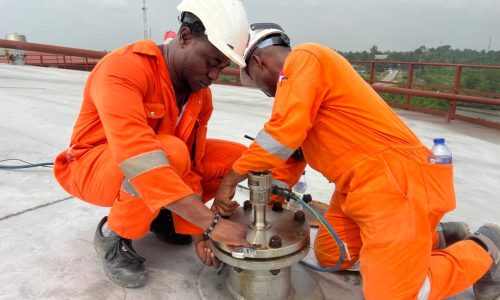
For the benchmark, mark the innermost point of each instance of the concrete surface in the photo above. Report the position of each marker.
(46, 236)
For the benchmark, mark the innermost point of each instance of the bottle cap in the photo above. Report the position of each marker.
(439, 141)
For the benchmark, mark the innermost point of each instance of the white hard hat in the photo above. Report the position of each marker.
(261, 36)
(226, 25)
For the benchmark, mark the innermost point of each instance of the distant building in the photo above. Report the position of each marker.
(381, 56)
(360, 69)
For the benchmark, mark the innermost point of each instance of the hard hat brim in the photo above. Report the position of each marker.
(227, 51)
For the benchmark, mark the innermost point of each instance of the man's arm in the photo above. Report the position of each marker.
(299, 96)
(117, 89)
(226, 232)
(297, 102)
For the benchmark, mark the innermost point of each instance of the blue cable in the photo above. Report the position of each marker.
(289, 194)
(28, 164)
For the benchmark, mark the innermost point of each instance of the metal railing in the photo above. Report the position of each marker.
(453, 93)
(75, 58)
(81, 59)
(54, 56)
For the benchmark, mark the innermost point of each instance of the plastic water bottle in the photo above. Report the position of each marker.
(299, 188)
(441, 154)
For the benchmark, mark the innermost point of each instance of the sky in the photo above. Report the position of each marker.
(345, 25)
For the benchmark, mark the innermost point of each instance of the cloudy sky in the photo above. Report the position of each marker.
(347, 25)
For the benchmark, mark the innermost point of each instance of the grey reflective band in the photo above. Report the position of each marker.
(425, 290)
(271, 145)
(281, 39)
(280, 184)
(265, 43)
(143, 162)
(127, 187)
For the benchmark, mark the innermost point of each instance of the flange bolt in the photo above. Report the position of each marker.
(275, 242)
(299, 216)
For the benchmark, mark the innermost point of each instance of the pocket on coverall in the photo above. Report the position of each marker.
(440, 188)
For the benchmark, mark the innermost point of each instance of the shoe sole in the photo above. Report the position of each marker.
(496, 230)
(142, 279)
(491, 289)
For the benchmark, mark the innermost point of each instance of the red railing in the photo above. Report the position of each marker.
(453, 94)
(54, 56)
(74, 58)
(81, 59)
(33, 58)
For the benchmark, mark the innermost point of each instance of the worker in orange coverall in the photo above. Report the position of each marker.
(388, 199)
(139, 144)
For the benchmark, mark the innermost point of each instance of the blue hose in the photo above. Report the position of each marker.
(289, 194)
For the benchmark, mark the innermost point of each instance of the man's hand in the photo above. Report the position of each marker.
(230, 233)
(223, 200)
(225, 232)
(204, 252)
(226, 192)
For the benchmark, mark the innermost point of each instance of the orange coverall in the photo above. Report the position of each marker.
(388, 199)
(133, 151)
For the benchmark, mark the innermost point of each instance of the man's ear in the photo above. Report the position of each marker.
(258, 61)
(185, 37)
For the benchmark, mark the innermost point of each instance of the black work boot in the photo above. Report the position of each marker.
(122, 264)
(163, 227)
(452, 232)
(488, 287)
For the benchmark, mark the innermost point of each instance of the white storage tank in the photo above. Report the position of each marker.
(15, 56)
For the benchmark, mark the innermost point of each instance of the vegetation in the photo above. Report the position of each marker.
(227, 78)
(476, 79)
(443, 54)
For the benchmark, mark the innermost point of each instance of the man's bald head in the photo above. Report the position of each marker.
(264, 66)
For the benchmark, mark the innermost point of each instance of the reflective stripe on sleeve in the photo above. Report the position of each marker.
(143, 162)
(425, 290)
(127, 187)
(271, 145)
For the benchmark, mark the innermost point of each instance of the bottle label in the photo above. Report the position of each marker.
(300, 187)
(441, 160)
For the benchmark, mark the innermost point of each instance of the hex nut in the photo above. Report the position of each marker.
(247, 205)
(275, 242)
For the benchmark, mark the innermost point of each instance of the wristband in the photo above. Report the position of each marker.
(208, 232)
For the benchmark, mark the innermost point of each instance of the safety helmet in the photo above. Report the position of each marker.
(226, 25)
(261, 36)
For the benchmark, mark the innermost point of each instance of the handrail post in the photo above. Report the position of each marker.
(452, 108)
(372, 71)
(409, 84)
